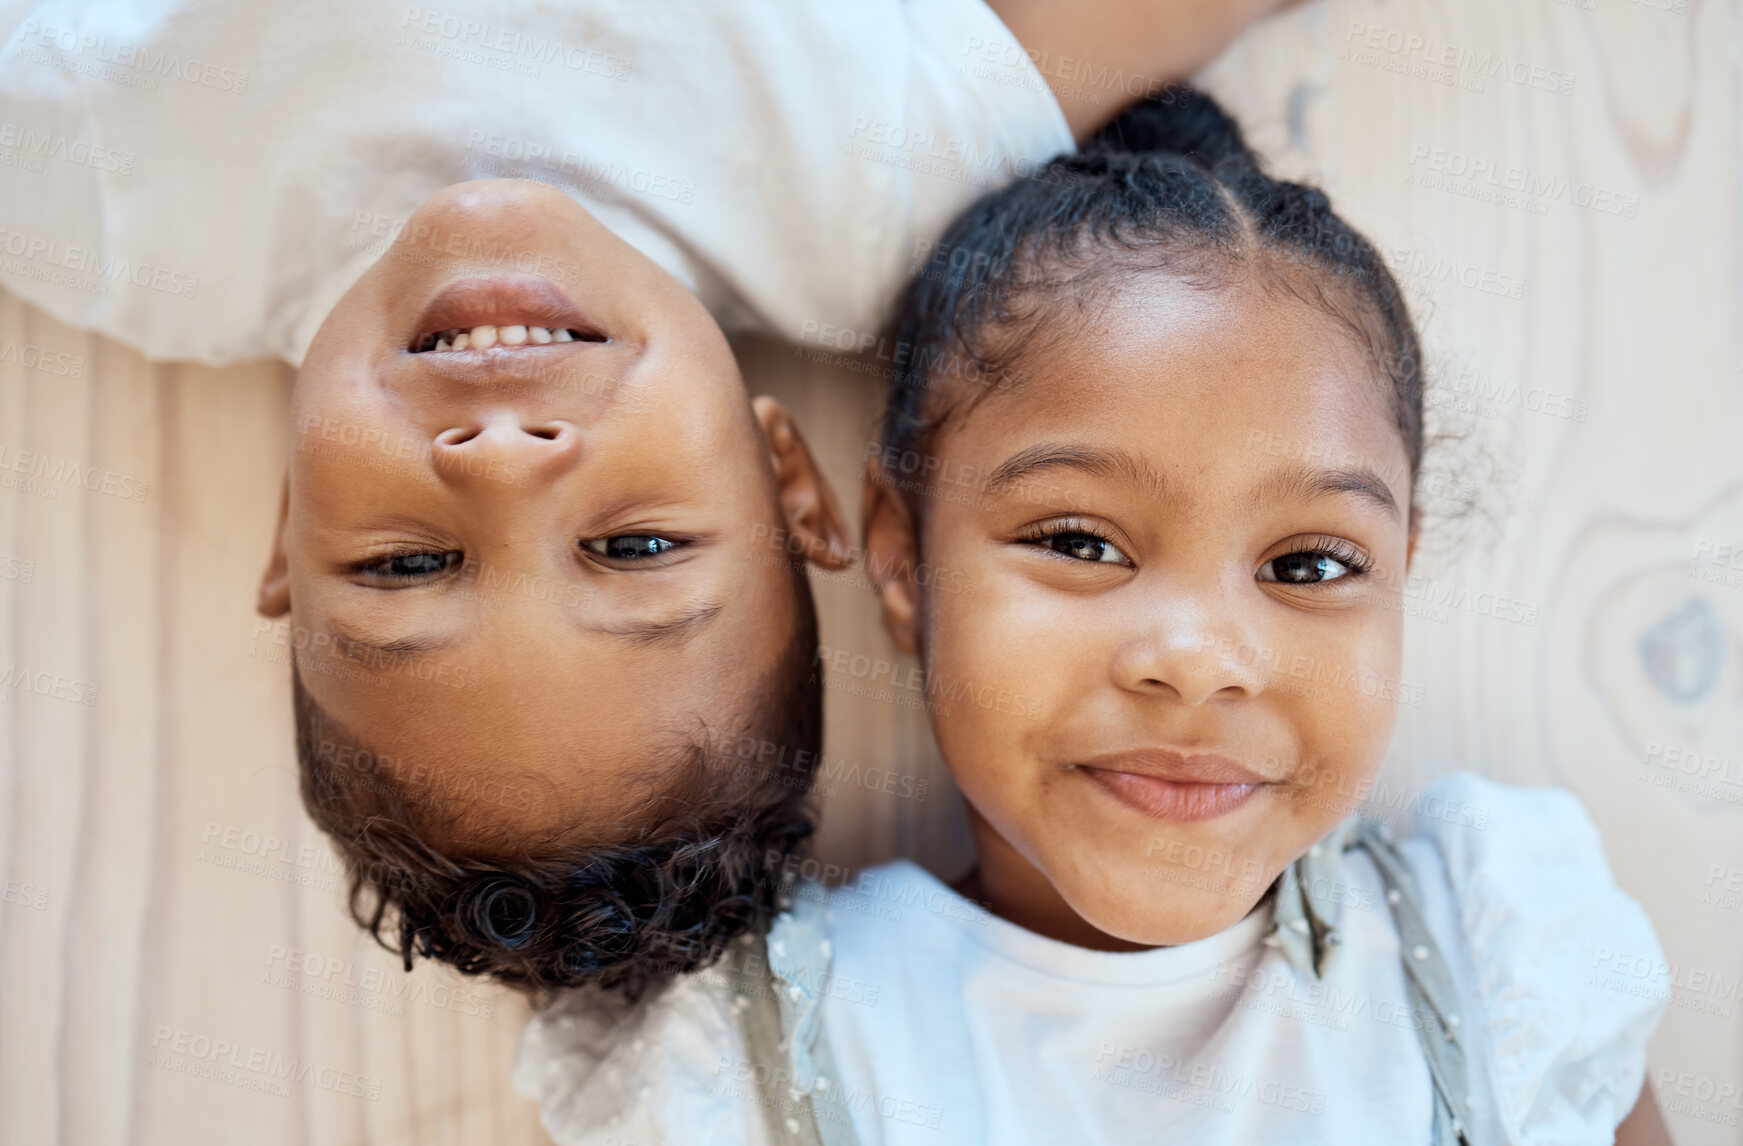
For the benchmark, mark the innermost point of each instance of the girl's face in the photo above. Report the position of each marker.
(1185, 530)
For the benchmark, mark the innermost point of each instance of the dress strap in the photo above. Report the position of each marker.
(780, 1021)
(787, 1121)
(1304, 927)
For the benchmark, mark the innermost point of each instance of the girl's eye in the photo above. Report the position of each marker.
(412, 566)
(1081, 545)
(629, 546)
(1310, 567)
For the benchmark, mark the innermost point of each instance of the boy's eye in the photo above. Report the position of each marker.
(412, 566)
(1304, 568)
(629, 546)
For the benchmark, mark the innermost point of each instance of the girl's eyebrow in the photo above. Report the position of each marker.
(1305, 483)
(1298, 481)
(1101, 463)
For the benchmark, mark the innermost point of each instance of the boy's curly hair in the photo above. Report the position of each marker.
(620, 917)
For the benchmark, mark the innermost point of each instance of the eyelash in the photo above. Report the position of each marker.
(377, 569)
(1353, 559)
(1039, 535)
(1339, 550)
(672, 545)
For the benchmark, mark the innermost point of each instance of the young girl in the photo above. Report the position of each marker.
(1193, 395)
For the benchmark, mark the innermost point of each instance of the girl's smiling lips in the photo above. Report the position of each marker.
(1168, 785)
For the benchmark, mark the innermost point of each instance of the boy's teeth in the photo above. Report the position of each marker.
(484, 337)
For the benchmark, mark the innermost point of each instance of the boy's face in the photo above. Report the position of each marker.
(533, 575)
(1172, 677)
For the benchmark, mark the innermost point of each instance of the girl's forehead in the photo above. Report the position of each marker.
(1171, 362)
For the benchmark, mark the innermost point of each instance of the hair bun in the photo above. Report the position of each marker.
(1178, 120)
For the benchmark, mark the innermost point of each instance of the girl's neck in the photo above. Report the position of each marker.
(1007, 884)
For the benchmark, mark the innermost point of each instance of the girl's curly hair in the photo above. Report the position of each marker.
(620, 917)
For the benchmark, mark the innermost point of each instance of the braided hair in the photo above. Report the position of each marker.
(1170, 185)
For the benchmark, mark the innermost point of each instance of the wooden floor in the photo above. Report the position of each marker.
(174, 963)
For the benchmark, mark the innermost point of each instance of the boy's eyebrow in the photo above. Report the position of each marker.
(681, 627)
(1110, 463)
(421, 643)
(1307, 482)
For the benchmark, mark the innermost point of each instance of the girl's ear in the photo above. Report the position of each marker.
(274, 598)
(890, 555)
(813, 517)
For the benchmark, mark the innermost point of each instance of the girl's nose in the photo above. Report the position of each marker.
(1186, 650)
(507, 449)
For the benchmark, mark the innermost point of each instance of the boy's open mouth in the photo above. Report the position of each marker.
(501, 312)
(485, 337)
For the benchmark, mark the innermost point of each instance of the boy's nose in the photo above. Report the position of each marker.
(506, 448)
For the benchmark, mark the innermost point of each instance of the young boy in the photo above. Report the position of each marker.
(538, 617)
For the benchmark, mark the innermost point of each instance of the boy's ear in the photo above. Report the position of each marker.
(813, 517)
(274, 598)
(890, 555)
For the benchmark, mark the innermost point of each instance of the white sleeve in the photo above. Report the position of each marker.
(204, 181)
(669, 1069)
(1565, 965)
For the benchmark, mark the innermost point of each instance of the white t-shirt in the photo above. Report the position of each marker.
(204, 181)
(947, 1025)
